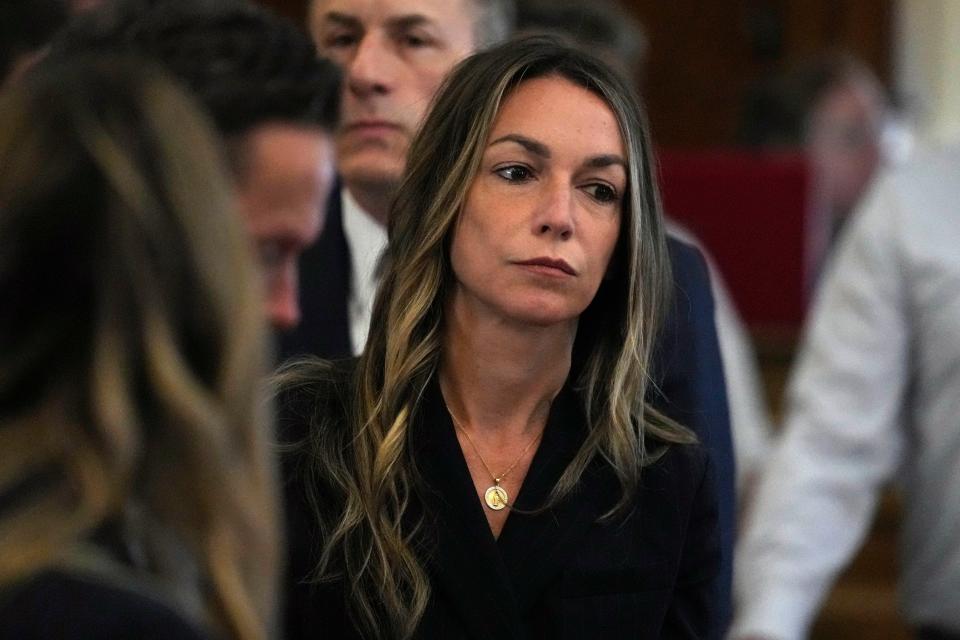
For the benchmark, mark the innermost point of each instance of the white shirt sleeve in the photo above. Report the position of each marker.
(842, 439)
(749, 415)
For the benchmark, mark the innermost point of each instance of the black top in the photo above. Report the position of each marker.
(691, 389)
(555, 574)
(57, 605)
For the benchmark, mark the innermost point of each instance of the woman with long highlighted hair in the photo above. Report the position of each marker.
(487, 467)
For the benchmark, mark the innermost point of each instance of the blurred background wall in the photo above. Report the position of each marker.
(926, 47)
(704, 56)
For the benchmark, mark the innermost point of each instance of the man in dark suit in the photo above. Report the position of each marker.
(273, 101)
(394, 54)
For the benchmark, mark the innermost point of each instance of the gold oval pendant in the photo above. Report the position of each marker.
(496, 497)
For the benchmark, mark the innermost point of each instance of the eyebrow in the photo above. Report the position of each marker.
(534, 147)
(409, 21)
(606, 160)
(342, 19)
(541, 150)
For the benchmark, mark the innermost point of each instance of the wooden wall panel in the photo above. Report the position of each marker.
(864, 27)
(704, 56)
(295, 9)
(697, 66)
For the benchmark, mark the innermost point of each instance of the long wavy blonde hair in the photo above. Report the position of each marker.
(369, 465)
(133, 347)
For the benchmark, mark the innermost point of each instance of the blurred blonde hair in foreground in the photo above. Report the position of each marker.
(133, 348)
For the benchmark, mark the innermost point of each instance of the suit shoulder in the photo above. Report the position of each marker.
(687, 261)
(70, 606)
(685, 467)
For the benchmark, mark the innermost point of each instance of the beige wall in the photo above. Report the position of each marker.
(927, 66)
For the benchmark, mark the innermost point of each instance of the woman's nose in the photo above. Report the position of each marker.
(555, 211)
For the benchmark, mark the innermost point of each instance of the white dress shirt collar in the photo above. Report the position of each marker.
(366, 240)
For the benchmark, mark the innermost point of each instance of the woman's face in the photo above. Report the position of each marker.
(541, 218)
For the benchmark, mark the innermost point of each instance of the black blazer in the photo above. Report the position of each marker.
(555, 574)
(687, 365)
(691, 389)
(57, 605)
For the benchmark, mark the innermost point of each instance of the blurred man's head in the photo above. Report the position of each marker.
(843, 134)
(273, 100)
(395, 54)
(835, 109)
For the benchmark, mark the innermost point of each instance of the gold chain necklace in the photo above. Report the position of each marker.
(495, 497)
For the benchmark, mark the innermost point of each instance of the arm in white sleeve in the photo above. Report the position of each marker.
(749, 415)
(842, 438)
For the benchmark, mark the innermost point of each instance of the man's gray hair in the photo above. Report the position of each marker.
(496, 21)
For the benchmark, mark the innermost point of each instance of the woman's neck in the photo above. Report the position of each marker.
(500, 377)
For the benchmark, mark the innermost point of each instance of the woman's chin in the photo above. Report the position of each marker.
(545, 315)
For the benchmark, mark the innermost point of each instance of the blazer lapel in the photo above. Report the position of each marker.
(325, 281)
(465, 562)
(535, 547)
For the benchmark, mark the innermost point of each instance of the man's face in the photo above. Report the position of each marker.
(286, 177)
(395, 54)
(843, 142)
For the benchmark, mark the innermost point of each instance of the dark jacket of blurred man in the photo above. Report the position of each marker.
(272, 99)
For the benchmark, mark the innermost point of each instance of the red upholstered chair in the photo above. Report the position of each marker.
(755, 215)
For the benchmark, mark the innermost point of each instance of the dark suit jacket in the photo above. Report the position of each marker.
(687, 366)
(692, 390)
(325, 282)
(555, 574)
(70, 606)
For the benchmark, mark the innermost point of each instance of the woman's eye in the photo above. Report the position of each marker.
(602, 192)
(515, 173)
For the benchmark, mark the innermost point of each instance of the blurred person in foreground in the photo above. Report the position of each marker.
(488, 467)
(875, 398)
(273, 101)
(137, 494)
(394, 55)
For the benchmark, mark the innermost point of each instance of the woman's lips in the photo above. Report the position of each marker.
(549, 266)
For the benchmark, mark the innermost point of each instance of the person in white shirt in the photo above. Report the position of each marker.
(875, 399)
